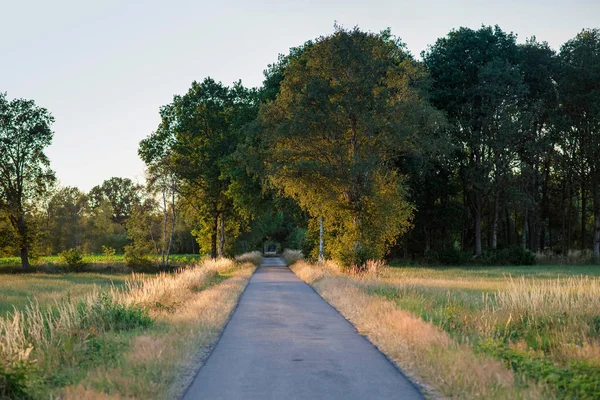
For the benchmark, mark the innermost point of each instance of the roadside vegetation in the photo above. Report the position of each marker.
(476, 332)
(141, 339)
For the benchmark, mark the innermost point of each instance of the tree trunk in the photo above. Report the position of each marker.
(477, 216)
(524, 236)
(321, 242)
(583, 207)
(597, 235)
(22, 230)
(213, 237)
(164, 239)
(508, 226)
(222, 237)
(596, 222)
(495, 224)
(173, 220)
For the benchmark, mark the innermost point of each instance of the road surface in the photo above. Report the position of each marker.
(285, 342)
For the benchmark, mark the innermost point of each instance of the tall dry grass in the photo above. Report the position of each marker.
(292, 256)
(254, 257)
(39, 334)
(425, 352)
(162, 362)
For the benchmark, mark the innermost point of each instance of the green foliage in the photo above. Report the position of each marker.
(112, 315)
(347, 104)
(26, 175)
(138, 260)
(576, 379)
(13, 380)
(74, 259)
(453, 256)
(108, 252)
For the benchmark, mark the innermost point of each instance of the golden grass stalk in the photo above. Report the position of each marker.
(425, 352)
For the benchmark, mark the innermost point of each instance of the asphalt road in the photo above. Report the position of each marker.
(285, 342)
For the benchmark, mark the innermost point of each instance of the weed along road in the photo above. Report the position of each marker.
(285, 342)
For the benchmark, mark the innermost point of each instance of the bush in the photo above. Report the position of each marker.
(115, 315)
(136, 259)
(74, 259)
(13, 381)
(453, 256)
(109, 252)
(515, 255)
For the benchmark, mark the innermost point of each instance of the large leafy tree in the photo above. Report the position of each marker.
(122, 194)
(348, 105)
(477, 82)
(197, 139)
(25, 173)
(579, 91)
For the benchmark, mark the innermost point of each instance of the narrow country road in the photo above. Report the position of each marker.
(285, 342)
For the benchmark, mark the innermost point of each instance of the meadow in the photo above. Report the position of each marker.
(477, 332)
(134, 336)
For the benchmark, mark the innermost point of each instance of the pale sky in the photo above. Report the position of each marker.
(104, 68)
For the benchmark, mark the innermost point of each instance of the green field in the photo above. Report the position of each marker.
(95, 263)
(49, 280)
(17, 290)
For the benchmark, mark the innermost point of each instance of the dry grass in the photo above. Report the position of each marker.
(161, 364)
(178, 303)
(292, 256)
(254, 257)
(427, 353)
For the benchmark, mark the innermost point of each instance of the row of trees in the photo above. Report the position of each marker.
(485, 143)
(113, 216)
(354, 149)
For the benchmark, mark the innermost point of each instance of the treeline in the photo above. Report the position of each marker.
(111, 217)
(354, 149)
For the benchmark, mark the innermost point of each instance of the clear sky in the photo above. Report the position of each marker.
(104, 68)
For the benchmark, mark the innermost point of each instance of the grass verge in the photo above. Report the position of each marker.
(447, 365)
(137, 341)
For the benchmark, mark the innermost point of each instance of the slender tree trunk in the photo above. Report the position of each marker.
(596, 221)
(321, 241)
(508, 226)
(22, 230)
(222, 236)
(495, 223)
(213, 237)
(597, 235)
(173, 220)
(583, 216)
(525, 226)
(477, 216)
(164, 241)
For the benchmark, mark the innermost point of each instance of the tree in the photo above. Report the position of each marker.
(197, 138)
(122, 194)
(65, 214)
(476, 81)
(347, 106)
(24, 168)
(579, 91)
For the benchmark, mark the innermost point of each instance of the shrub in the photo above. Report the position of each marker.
(136, 259)
(74, 259)
(109, 252)
(13, 380)
(453, 256)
